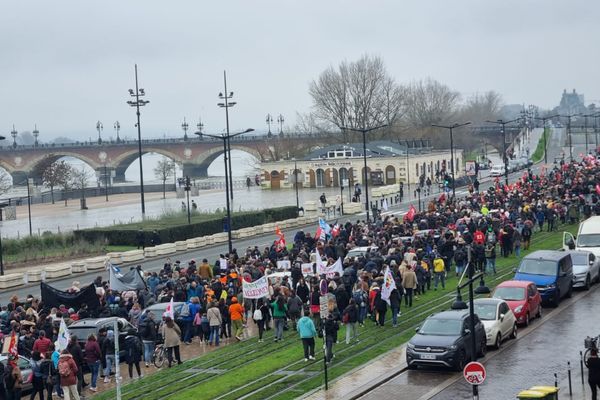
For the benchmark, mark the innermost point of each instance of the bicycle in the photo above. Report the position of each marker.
(590, 343)
(158, 356)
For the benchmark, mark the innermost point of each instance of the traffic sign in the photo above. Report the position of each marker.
(474, 373)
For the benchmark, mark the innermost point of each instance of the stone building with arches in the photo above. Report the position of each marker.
(387, 163)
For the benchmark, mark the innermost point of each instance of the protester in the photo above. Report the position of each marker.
(307, 332)
(92, 357)
(279, 314)
(133, 353)
(68, 371)
(350, 319)
(108, 349)
(171, 335)
(236, 313)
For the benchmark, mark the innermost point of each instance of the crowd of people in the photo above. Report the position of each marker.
(421, 249)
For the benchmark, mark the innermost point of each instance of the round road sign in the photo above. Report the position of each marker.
(474, 373)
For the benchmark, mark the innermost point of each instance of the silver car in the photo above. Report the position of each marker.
(25, 367)
(586, 268)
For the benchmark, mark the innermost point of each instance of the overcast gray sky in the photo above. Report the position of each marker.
(67, 64)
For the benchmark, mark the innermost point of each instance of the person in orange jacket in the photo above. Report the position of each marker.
(236, 314)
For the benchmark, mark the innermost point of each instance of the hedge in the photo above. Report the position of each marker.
(126, 234)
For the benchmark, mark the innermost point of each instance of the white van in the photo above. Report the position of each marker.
(497, 170)
(588, 237)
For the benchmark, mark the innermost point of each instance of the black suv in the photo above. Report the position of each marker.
(444, 339)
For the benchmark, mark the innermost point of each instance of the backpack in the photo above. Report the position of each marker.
(185, 310)
(257, 316)
(64, 369)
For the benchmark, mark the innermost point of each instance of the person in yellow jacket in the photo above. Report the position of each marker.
(439, 272)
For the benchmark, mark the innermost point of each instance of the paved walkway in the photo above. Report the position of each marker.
(352, 384)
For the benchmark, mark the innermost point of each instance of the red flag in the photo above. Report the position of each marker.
(336, 230)
(280, 243)
(410, 215)
(12, 345)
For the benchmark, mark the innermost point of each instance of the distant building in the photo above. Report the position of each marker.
(571, 103)
(388, 163)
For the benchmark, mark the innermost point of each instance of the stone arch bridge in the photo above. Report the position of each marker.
(195, 155)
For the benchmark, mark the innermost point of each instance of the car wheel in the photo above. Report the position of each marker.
(482, 348)
(498, 341)
(460, 361)
(587, 283)
(526, 323)
(513, 335)
(556, 302)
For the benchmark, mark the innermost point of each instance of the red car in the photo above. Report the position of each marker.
(523, 299)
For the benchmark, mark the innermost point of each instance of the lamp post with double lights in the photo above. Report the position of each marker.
(296, 185)
(225, 139)
(117, 127)
(569, 117)
(99, 128)
(364, 132)
(451, 128)
(269, 121)
(187, 188)
(280, 121)
(544, 119)
(139, 92)
(227, 105)
(35, 134)
(504, 155)
(200, 126)
(1, 260)
(14, 134)
(459, 304)
(185, 126)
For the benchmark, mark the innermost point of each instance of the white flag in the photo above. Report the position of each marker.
(170, 311)
(321, 267)
(389, 284)
(385, 204)
(63, 336)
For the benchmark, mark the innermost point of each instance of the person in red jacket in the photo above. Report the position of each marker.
(42, 344)
(67, 370)
(92, 356)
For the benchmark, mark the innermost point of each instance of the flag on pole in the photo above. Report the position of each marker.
(385, 204)
(389, 284)
(336, 230)
(63, 335)
(170, 310)
(325, 229)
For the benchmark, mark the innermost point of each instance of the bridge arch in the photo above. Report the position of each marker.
(122, 162)
(29, 169)
(199, 165)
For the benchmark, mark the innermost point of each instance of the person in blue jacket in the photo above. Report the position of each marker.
(188, 320)
(307, 331)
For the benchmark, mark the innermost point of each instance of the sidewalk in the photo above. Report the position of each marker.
(358, 381)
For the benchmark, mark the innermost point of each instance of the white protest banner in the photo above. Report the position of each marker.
(307, 269)
(284, 264)
(257, 289)
(330, 270)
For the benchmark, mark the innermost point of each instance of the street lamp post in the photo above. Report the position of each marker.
(569, 133)
(226, 105)
(200, 126)
(296, 185)
(450, 128)
(459, 304)
(105, 182)
(185, 127)
(280, 121)
(99, 128)
(29, 182)
(544, 119)
(269, 121)
(187, 189)
(35, 134)
(364, 132)
(139, 92)
(225, 139)
(1, 260)
(117, 127)
(504, 155)
(14, 134)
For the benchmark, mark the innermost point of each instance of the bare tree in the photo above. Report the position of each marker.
(356, 95)
(481, 107)
(430, 102)
(5, 181)
(165, 168)
(80, 178)
(53, 173)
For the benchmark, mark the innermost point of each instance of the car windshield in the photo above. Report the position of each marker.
(443, 327)
(486, 312)
(83, 332)
(579, 259)
(538, 267)
(510, 293)
(589, 240)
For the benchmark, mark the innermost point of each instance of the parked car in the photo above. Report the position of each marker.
(444, 339)
(551, 271)
(159, 309)
(497, 170)
(25, 366)
(498, 320)
(586, 268)
(523, 299)
(360, 251)
(83, 328)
